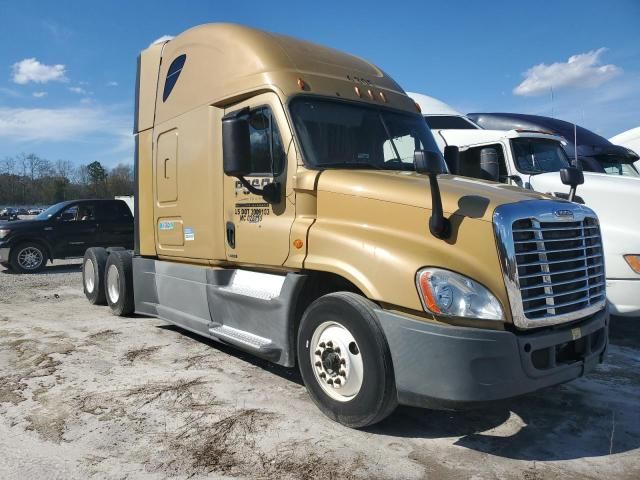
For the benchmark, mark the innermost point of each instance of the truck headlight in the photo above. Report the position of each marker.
(4, 232)
(632, 260)
(447, 293)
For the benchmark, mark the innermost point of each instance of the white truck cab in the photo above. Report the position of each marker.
(629, 139)
(532, 160)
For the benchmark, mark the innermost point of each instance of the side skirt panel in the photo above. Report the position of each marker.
(251, 310)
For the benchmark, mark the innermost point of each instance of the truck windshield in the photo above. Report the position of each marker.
(336, 134)
(49, 212)
(612, 167)
(538, 155)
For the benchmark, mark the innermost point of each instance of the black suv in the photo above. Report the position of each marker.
(65, 230)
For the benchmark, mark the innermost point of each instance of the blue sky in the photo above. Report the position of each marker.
(67, 68)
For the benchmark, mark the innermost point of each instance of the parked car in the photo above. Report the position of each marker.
(65, 230)
(35, 211)
(8, 214)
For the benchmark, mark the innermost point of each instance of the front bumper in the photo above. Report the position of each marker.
(4, 255)
(624, 297)
(451, 367)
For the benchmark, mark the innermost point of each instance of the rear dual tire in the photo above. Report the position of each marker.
(93, 267)
(107, 278)
(119, 282)
(345, 361)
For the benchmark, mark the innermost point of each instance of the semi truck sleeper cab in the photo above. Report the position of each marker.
(292, 202)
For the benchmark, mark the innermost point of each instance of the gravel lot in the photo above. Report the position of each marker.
(85, 394)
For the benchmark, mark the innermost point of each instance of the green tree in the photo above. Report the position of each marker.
(97, 176)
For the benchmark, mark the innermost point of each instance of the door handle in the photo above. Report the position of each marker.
(231, 234)
(48, 229)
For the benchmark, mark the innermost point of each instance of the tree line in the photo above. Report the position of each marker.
(28, 179)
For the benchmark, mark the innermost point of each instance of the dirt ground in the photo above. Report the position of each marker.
(85, 394)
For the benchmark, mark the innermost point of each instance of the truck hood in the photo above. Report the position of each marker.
(460, 195)
(20, 224)
(617, 190)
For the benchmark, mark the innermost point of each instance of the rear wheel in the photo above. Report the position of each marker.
(28, 257)
(345, 360)
(93, 267)
(119, 283)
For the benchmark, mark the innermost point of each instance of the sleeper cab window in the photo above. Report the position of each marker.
(172, 75)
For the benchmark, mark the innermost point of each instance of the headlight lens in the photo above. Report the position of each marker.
(632, 260)
(447, 293)
(4, 232)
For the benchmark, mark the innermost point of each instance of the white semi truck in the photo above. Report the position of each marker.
(629, 139)
(532, 160)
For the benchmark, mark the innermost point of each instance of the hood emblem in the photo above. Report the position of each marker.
(563, 213)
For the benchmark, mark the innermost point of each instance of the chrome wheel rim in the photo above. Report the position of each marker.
(336, 361)
(113, 284)
(30, 258)
(89, 276)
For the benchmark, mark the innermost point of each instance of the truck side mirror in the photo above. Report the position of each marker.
(236, 154)
(236, 146)
(430, 163)
(452, 158)
(572, 177)
(489, 163)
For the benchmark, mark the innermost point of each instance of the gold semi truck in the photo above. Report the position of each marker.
(292, 202)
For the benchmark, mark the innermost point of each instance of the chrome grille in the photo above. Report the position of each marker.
(560, 265)
(552, 259)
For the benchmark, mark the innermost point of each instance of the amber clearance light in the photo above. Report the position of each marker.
(634, 262)
(427, 292)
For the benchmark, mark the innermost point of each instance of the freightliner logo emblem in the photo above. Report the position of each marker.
(563, 213)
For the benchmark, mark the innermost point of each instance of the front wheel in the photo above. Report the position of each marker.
(28, 257)
(345, 361)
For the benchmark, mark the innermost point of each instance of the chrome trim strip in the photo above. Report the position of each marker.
(541, 211)
(560, 272)
(559, 250)
(560, 239)
(552, 262)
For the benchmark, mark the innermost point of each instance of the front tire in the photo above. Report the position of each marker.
(118, 283)
(28, 257)
(93, 268)
(345, 361)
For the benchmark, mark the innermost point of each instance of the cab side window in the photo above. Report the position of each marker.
(115, 212)
(79, 213)
(267, 150)
(470, 163)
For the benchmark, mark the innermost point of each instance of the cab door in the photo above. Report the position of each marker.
(257, 231)
(74, 230)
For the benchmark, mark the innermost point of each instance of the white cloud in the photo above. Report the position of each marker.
(112, 84)
(39, 94)
(61, 124)
(162, 39)
(31, 70)
(580, 71)
(78, 90)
